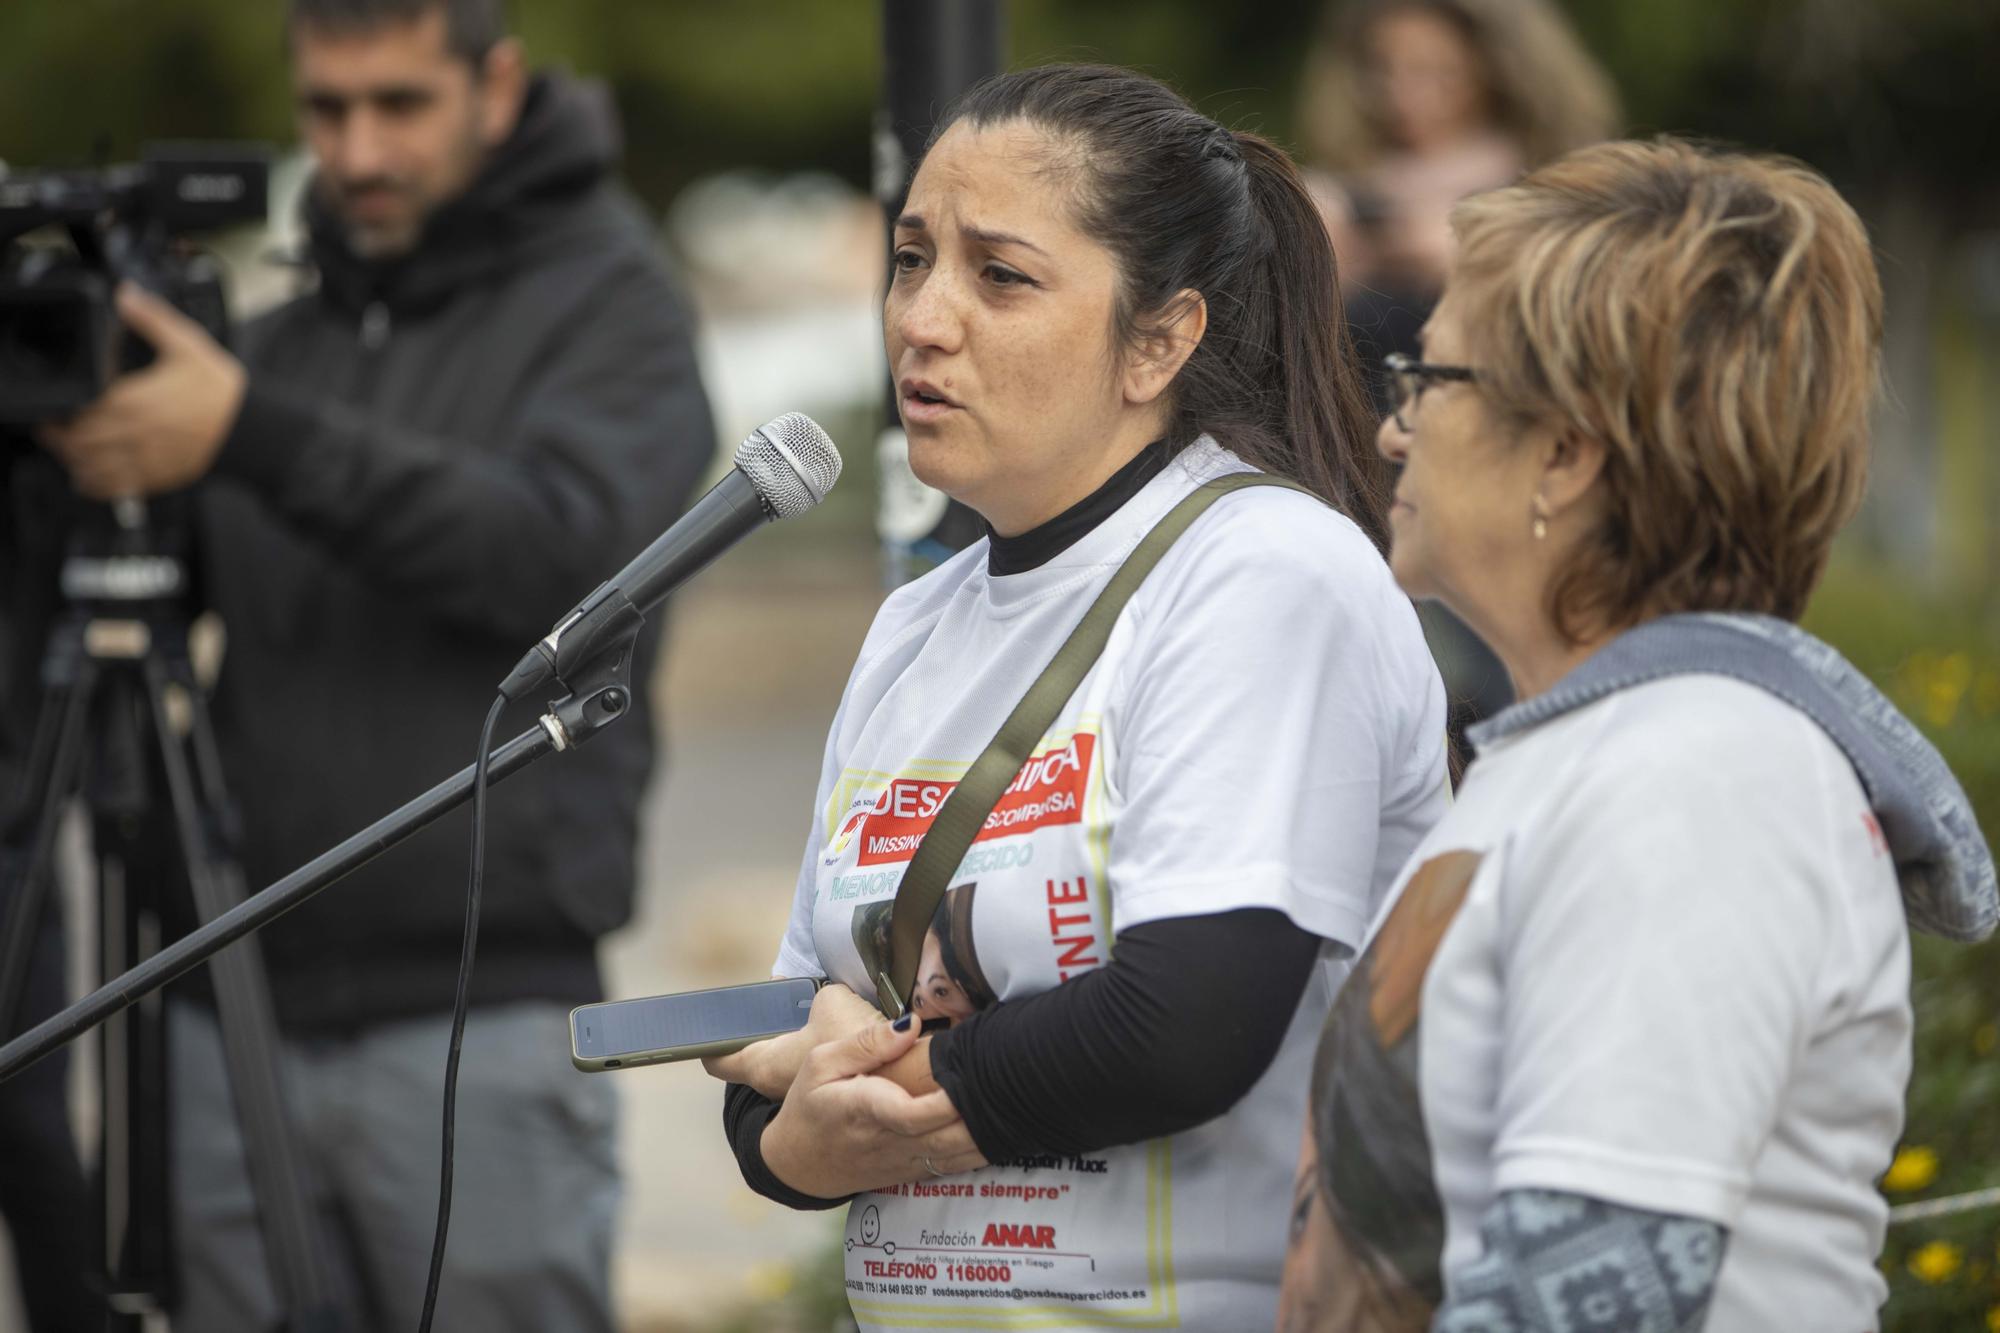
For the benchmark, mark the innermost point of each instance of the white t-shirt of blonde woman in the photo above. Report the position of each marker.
(1264, 730)
(1655, 955)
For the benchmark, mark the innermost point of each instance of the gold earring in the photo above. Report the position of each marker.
(1540, 527)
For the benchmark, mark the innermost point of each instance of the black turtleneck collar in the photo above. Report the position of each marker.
(1040, 544)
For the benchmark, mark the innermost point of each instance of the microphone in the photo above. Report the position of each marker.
(782, 469)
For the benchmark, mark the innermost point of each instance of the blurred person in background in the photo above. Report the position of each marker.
(1406, 107)
(488, 403)
(1101, 300)
(1628, 1047)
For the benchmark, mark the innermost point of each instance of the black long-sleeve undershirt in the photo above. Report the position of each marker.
(745, 1113)
(1171, 1033)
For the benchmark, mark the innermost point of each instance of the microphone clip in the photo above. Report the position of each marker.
(590, 655)
(605, 621)
(575, 718)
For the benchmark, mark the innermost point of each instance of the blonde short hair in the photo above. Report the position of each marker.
(1715, 320)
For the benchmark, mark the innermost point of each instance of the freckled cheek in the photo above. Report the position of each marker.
(1013, 391)
(1049, 373)
(1008, 361)
(1039, 380)
(894, 309)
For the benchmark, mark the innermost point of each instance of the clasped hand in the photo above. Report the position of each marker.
(860, 1109)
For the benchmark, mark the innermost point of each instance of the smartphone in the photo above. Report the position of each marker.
(688, 1025)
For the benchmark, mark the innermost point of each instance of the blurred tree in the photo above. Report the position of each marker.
(780, 84)
(191, 69)
(1872, 91)
(1886, 96)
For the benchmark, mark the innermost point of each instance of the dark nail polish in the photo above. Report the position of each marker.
(902, 1024)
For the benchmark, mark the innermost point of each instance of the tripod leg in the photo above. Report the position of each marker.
(42, 1191)
(43, 1195)
(55, 760)
(132, 1235)
(249, 1032)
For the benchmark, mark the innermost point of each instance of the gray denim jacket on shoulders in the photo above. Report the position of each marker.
(1942, 860)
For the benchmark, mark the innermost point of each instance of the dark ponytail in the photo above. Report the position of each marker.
(1183, 203)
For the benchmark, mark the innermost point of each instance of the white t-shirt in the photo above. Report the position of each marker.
(1654, 955)
(1264, 729)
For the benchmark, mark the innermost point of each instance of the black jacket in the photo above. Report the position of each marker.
(435, 458)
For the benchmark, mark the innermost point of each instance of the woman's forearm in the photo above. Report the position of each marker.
(1171, 1033)
(1654, 1270)
(746, 1115)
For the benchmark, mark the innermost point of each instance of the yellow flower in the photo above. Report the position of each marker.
(1993, 1320)
(1936, 1261)
(1913, 1169)
(1940, 682)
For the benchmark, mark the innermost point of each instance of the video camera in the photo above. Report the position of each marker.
(61, 342)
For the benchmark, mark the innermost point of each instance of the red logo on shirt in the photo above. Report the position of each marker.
(1048, 790)
(1875, 834)
(1023, 1236)
(1071, 926)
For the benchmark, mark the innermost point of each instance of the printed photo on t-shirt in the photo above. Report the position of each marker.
(1370, 1261)
(949, 983)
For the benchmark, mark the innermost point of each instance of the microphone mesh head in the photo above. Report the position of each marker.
(791, 462)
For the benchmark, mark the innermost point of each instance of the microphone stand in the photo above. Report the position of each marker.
(600, 691)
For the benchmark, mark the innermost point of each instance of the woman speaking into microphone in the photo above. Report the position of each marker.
(1102, 303)
(1628, 1047)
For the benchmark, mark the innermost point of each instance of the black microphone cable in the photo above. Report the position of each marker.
(467, 948)
(784, 468)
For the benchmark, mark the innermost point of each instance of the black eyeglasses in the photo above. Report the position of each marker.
(1411, 377)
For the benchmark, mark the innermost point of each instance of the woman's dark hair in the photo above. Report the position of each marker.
(953, 923)
(1183, 203)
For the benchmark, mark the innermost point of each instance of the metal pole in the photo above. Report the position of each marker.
(197, 946)
(932, 50)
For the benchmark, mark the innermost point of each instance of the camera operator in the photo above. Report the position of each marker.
(490, 400)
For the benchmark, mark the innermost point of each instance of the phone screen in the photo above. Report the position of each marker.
(624, 1028)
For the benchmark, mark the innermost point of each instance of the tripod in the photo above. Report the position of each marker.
(120, 712)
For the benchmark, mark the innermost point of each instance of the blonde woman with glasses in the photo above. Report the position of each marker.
(1626, 1047)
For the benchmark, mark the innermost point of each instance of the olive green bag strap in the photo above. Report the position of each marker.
(972, 800)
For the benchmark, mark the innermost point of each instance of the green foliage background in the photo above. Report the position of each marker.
(1939, 659)
(1870, 90)
(1892, 98)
